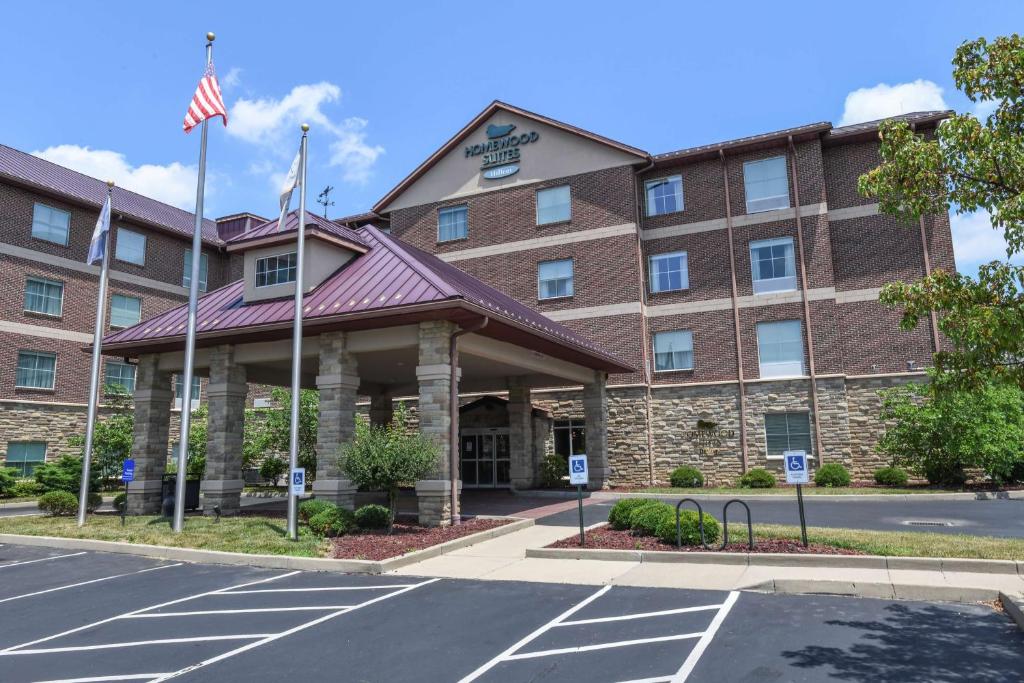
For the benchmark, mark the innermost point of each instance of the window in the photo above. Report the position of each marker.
(24, 456)
(553, 205)
(36, 370)
(120, 374)
(570, 437)
(787, 432)
(125, 311)
(131, 247)
(179, 389)
(673, 350)
(669, 272)
(780, 349)
(204, 264)
(275, 270)
(554, 279)
(773, 265)
(452, 223)
(44, 296)
(50, 224)
(664, 195)
(766, 184)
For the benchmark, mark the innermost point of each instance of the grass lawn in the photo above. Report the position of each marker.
(258, 535)
(791, 491)
(900, 543)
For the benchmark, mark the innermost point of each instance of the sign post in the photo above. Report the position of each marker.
(127, 475)
(578, 476)
(796, 473)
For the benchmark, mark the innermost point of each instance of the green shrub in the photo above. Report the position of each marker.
(832, 475)
(689, 526)
(758, 478)
(58, 503)
(373, 517)
(27, 488)
(93, 502)
(334, 521)
(273, 468)
(313, 506)
(891, 476)
(8, 480)
(64, 474)
(120, 502)
(686, 477)
(552, 468)
(618, 518)
(645, 519)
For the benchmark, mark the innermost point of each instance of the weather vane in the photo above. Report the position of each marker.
(324, 199)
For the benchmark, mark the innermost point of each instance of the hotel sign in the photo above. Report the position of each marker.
(707, 438)
(500, 154)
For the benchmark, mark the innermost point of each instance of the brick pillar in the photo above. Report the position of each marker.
(595, 413)
(434, 376)
(381, 410)
(222, 484)
(153, 393)
(520, 434)
(338, 381)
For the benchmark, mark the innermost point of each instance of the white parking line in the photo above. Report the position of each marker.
(85, 583)
(295, 629)
(139, 643)
(253, 610)
(101, 679)
(639, 615)
(11, 649)
(603, 646)
(41, 559)
(320, 588)
(705, 640)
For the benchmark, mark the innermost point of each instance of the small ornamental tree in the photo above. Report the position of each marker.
(386, 457)
(273, 468)
(112, 435)
(273, 432)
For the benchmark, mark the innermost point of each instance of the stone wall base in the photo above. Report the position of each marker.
(434, 501)
(341, 492)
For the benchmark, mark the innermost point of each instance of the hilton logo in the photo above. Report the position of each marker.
(501, 151)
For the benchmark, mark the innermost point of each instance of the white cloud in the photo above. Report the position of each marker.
(975, 241)
(868, 104)
(233, 78)
(984, 108)
(173, 184)
(274, 124)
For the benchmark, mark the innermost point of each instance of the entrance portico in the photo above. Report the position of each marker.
(415, 322)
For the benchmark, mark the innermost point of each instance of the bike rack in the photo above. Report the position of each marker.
(700, 523)
(725, 524)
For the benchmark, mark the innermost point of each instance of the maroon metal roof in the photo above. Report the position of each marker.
(390, 278)
(50, 177)
(291, 224)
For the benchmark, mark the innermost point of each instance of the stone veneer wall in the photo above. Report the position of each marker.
(865, 427)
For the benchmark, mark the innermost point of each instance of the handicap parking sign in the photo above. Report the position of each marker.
(796, 467)
(578, 474)
(128, 471)
(298, 481)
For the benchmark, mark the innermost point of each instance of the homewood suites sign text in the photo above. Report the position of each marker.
(501, 150)
(707, 438)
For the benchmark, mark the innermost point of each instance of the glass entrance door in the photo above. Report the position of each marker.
(485, 460)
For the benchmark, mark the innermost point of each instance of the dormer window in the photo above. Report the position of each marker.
(275, 270)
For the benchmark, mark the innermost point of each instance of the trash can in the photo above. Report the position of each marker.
(170, 481)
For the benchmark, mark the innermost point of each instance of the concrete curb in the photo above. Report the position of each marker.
(34, 504)
(722, 497)
(935, 564)
(264, 494)
(319, 564)
(1014, 606)
(550, 493)
(875, 589)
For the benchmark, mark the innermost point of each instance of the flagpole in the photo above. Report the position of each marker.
(94, 373)
(190, 337)
(293, 437)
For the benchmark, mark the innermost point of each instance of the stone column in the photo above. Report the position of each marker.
(153, 393)
(222, 484)
(595, 413)
(434, 376)
(338, 381)
(381, 410)
(520, 434)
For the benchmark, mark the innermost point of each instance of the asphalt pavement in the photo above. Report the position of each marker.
(94, 616)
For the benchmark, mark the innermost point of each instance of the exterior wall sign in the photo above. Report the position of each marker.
(501, 152)
(707, 438)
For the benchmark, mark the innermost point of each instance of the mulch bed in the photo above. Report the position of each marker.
(610, 539)
(404, 538)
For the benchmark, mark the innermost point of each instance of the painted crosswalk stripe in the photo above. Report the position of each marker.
(85, 583)
(253, 610)
(140, 643)
(41, 559)
(604, 646)
(705, 640)
(639, 615)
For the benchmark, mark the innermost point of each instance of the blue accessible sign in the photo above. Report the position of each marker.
(128, 470)
(796, 467)
(578, 474)
(298, 481)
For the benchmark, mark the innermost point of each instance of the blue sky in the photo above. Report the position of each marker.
(103, 87)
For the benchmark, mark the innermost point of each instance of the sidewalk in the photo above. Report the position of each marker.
(504, 559)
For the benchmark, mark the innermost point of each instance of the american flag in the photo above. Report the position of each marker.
(207, 102)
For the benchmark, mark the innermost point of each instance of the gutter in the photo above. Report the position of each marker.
(453, 408)
(644, 332)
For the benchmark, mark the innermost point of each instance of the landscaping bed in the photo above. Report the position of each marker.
(856, 489)
(605, 538)
(404, 538)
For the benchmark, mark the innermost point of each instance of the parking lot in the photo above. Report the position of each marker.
(84, 616)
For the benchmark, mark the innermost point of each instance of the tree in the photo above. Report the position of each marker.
(274, 433)
(273, 468)
(386, 457)
(112, 436)
(968, 165)
(942, 432)
(195, 464)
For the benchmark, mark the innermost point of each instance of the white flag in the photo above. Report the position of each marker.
(98, 245)
(288, 186)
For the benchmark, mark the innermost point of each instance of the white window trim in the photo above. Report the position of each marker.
(21, 386)
(782, 366)
(256, 269)
(536, 201)
(126, 296)
(775, 284)
(120, 363)
(186, 272)
(196, 402)
(686, 271)
(46, 448)
(38, 278)
(746, 199)
(572, 280)
(67, 232)
(764, 432)
(647, 199)
(145, 243)
(452, 208)
(654, 353)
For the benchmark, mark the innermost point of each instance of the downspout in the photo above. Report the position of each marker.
(927, 268)
(735, 315)
(806, 300)
(453, 408)
(638, 216)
